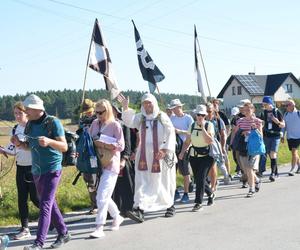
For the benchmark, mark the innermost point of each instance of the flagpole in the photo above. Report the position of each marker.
(161, 99)
(203, 65)
(86, 68)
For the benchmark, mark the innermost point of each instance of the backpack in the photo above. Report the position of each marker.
(255, 145)
(86, 153)
(69, 157)
(179, 144)
(239, 144)
(14, 129)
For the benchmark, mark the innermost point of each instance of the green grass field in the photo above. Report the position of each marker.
(69, 197)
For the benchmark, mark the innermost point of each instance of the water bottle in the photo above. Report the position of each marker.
(4, 240)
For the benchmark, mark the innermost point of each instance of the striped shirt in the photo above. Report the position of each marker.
(245, 123)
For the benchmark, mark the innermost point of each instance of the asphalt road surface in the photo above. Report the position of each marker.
(269, 220)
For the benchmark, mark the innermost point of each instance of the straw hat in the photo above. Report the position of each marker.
(87, 106)
(175, 103)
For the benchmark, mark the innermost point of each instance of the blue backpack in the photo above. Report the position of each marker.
(86, 151)
(255, 145)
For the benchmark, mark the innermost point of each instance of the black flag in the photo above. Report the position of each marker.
(99, 60)
(149, 70)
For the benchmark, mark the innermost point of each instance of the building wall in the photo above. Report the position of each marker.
(281, 95)
(230, 100)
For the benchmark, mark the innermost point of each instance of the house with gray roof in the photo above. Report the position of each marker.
(254, 87)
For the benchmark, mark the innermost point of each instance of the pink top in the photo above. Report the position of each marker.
(112, 129)
(245, 124)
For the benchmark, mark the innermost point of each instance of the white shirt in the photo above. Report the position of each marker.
(23, 157)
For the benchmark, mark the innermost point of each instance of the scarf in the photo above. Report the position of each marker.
(143, 162)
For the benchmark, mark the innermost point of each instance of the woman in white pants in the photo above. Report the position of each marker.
(109, 140)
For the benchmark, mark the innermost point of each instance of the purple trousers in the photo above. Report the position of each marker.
(46, 186)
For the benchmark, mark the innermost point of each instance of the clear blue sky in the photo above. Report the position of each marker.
(44, 44)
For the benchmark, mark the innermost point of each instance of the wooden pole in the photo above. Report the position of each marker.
(161, 98)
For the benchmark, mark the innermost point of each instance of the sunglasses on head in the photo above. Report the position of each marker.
(100, 112)
(201, 115)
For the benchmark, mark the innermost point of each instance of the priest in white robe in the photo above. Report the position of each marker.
(155, 171)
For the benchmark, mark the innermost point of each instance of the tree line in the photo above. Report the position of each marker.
(65, 104)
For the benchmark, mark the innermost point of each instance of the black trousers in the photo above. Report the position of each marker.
(25, 187)
(124, 189)
(201, 167)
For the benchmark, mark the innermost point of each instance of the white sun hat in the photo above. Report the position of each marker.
(34, 102)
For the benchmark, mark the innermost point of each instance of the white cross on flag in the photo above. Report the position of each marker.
(99, 60)
(149, 70)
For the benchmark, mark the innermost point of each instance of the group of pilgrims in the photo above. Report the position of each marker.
(146, 150)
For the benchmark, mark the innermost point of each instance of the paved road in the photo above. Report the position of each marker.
(270, 220)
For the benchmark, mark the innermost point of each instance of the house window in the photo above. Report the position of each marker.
(239, 90)
(288, 88)
(233, 90)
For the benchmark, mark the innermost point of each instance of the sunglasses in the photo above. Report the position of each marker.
(100, 112)
(200, 115)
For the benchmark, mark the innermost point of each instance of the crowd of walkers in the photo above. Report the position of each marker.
(139, 155)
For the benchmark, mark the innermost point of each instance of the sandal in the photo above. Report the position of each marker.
(170, 212)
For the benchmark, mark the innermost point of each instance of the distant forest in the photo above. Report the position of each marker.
(65, 104)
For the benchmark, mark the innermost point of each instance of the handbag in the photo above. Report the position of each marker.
(105, 155)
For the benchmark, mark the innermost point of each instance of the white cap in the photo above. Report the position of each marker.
(201, 109)
(34, 102)
(243, 102)
(235, 111)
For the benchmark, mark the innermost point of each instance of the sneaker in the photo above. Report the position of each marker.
(61, 240)
(271, 178)
(137, 215)
(250, 194)
(298, 170)
(291, 173)
(257, 185)
(197, 207)
(24, 233)
(116, 223)
(185, 198)
(177, 195)
(211, 199)
(98, 233)
(33, 247)
(93, 211)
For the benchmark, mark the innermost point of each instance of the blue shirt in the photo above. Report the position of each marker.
(292, 122)
(182, 123)
(44, 159)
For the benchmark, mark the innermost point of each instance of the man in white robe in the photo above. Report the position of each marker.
(154, 187)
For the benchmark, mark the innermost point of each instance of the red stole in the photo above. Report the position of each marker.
(143, 162)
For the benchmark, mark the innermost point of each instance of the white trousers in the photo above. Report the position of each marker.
(105, 203)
